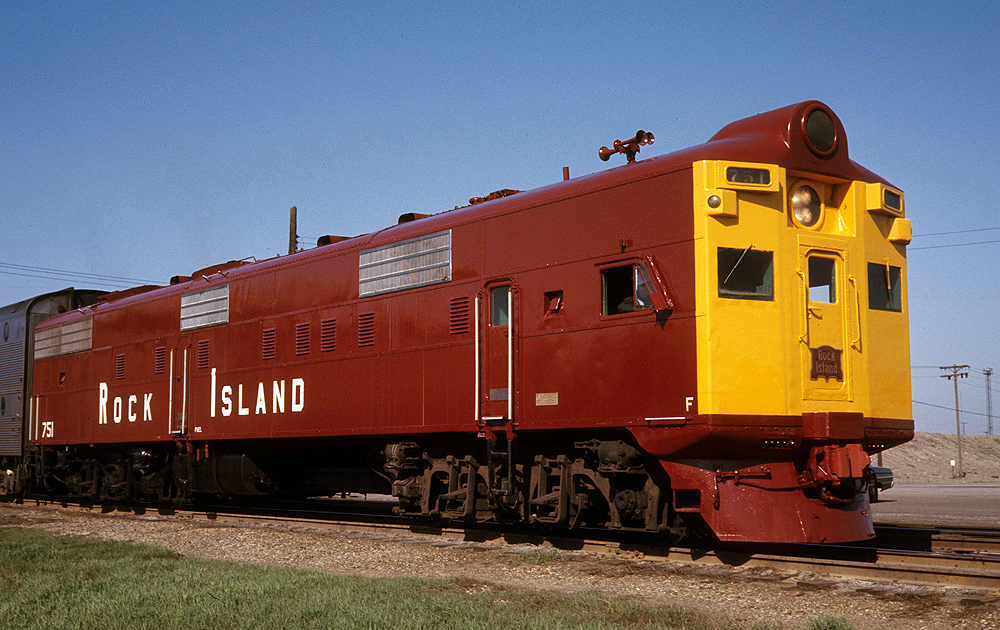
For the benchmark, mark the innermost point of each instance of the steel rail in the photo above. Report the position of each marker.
(947, 539)
(974, 571)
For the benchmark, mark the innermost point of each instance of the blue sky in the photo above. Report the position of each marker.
(145, 140)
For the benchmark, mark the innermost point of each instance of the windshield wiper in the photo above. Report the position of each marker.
(738, 261)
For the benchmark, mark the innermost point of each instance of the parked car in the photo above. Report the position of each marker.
(878, 478)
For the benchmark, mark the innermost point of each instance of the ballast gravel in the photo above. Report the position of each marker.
(733, 597)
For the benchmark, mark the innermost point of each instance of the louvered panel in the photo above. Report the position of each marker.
(10, 436)
(119, 367)
(11, 366)
(267, 344)
(302, 338)
(415, 262)
(366, 330)
(159, 360)
(328, 335)
(204, 346)
(64, 338)
(458, 316)
(207, 307)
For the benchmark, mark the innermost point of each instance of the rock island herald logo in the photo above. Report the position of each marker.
(826, 364)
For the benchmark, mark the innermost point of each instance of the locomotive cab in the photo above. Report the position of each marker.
(802, 336)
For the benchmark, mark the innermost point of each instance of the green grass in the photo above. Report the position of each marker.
(74, 582)
(534, 557)
(829, 623)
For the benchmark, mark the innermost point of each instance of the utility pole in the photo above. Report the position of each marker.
(293, 236)
(957, 372)
(989, 402)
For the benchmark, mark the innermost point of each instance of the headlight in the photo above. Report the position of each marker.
(806, 206)
(820, 131)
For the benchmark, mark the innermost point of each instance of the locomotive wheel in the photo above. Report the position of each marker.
(114, 483)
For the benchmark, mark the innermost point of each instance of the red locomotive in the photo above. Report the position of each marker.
(712, 339)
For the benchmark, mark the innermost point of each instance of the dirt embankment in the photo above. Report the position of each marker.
(927, 458)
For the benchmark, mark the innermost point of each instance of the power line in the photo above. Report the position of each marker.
(964, 412)
(958, 232)
(47, 273)
(104, 283)
(969, 231)
(910, 249)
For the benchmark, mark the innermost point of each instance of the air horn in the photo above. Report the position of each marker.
(629, 147)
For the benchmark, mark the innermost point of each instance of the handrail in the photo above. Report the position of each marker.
(856, 343)
(184, 395)
(478, 379)
(510, 354)
(804, 337)
(170, 397)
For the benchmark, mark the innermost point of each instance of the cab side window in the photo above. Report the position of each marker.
(884, 288)
(625, 290)
(746, 274)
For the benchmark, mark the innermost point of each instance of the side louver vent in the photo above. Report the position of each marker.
(203, 349)
(159, 360)
(267, 344)
(328, 335)
(366, 330)
(458, 316)
(302, 338)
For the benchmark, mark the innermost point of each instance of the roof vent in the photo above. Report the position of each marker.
(496, 194)
(219, 268)
(411, 216)
(330, 239)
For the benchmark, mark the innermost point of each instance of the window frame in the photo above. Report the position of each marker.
(832, 292)
(499, 307)
(638, 270)
(724, 273)
(892, 296)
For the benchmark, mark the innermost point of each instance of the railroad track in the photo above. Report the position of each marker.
(944, 558)
(944, 539)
